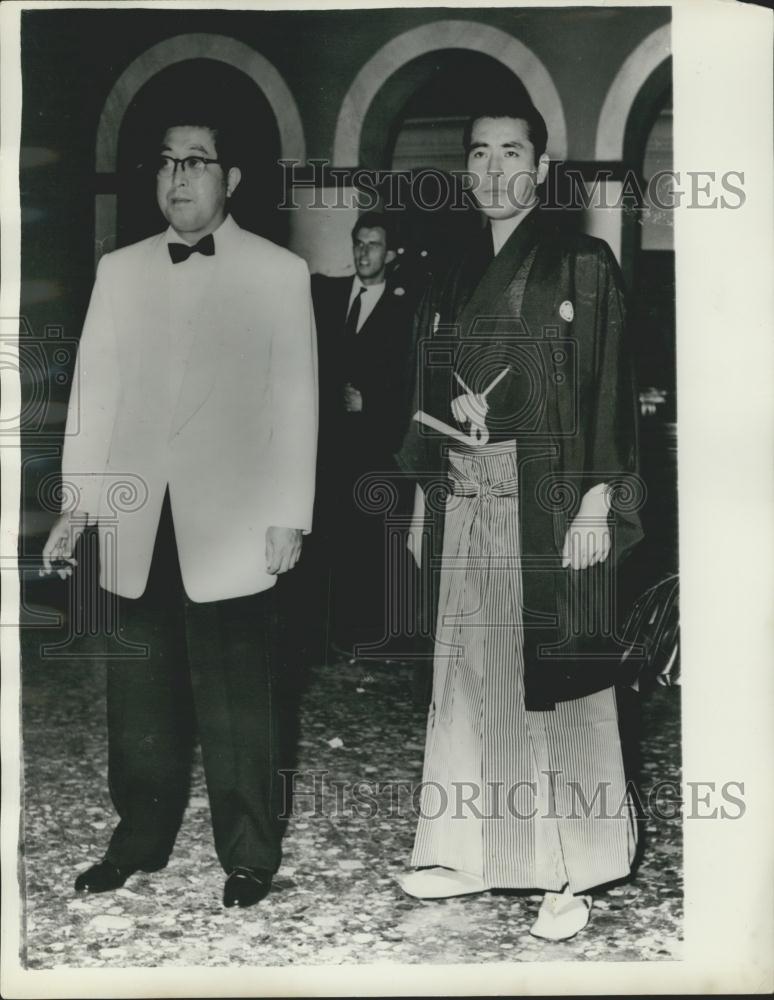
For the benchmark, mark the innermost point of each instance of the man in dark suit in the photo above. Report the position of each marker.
(364, 325)
(198, 389)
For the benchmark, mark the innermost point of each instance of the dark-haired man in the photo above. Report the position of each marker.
(525, 410)
(198, 377)
(364, 325)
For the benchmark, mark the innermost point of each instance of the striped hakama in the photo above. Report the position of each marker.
(509, 794)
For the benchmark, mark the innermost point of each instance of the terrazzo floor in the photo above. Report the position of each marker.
(335, 900)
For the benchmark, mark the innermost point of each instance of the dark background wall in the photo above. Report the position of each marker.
(71, 60)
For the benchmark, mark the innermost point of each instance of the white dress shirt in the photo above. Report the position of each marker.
(188, 282)
(369, 298)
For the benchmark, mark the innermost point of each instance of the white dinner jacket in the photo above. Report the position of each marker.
(236, 448)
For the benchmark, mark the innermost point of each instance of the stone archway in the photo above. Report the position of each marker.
(177, 49)
(651, 58)
(638, 66)
(433, 37)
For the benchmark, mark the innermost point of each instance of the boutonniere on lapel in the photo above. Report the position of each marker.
(566, 311)
(399, 291)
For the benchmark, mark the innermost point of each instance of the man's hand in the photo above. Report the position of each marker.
(588, 538)
(283, 547)
(353, 400)
(60, 545)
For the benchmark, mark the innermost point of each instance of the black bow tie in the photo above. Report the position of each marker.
(182, 251)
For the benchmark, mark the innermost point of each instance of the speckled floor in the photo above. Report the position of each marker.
(335, 900)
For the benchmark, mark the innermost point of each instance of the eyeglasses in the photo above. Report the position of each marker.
(192, 166)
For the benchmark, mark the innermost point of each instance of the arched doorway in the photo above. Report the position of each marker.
(624, 121)
(648, 237)
(434, 95)
(635, 129)
(192, 84)
(648, 247)
(197, 46)
(414, 129)
(425, 139)
(387, 91)
(439, 36)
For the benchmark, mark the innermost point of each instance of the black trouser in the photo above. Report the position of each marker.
(367, 492)
(209, 668)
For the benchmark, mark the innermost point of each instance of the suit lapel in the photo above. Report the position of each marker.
(207, 347)
(343, 291)
(146, 344)
(155, 301)
(375, 321)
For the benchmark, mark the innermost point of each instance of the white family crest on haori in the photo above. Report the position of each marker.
(467, 408)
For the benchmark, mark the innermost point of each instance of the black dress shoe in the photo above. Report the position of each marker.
(103, 877)
(246, 887)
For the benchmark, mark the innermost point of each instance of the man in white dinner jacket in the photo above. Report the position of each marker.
(197, 398)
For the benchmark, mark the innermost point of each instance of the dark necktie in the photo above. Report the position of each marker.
(350, 327)
(350, 333)
(182, 251)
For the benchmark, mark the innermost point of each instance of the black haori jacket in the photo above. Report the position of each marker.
(550, 307)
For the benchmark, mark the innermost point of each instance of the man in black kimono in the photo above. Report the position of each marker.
(524, 413)
(364, 327)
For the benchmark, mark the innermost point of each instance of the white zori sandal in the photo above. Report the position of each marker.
(561, 916)
(440, 883)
